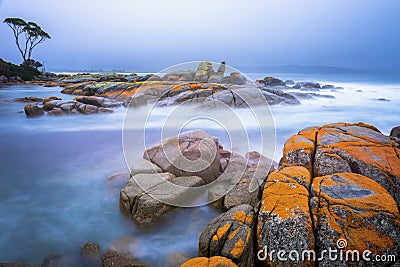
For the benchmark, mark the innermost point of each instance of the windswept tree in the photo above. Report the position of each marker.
(27, 36)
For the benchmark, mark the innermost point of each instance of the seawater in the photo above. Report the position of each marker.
(56, 194)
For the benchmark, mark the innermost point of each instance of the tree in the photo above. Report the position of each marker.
(27, 36)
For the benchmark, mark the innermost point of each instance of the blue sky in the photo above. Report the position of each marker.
(154, 34)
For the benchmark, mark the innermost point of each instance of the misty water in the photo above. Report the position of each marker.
(61, 176)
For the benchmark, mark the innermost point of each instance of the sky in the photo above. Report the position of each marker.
(151, 35)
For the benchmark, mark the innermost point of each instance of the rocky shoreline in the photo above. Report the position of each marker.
(99, 93)
(339, 181)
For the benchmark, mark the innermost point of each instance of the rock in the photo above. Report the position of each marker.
(310, 95)
(58, 107)
(289, 82)
(51, 98)
(248, 189)
(297, 86)
(284, 219)
(271, 81)
(215, 79)
(328, 86)
(395, 134)
(176, 155)
(230, 235)
(91, 254)
(32, 110)
(383, 99)
(177, 259)
(204, 70)
(145, 196)
(221, 69)
(359, 91)
(356, 209)
(343, 147)
(144, 166)
(311, 85)
(97, 101)
(28, 99)
(296, 216)
(237, 78)
(3, 79)
(276, 96)
(113, 259)
(209, 262)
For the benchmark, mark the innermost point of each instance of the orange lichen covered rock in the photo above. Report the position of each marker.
(344, 147)
(299, 149)
(284, 219)
(215, 261)
(357, 209)
(230, 235)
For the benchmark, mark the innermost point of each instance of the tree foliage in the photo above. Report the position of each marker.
(27, 36)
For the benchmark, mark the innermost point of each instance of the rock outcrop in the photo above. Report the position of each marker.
(336, 189)
(344, 147)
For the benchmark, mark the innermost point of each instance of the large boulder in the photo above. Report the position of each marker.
(343, 147)
(145, 197)
(191, 153)
(230, 235)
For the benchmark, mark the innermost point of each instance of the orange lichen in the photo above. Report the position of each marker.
(238, 249)
(356, 228)
(209, 262)
(233, 233)
(221, 231)
(239, 216)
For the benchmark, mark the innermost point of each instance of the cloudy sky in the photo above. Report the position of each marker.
(154, 34)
